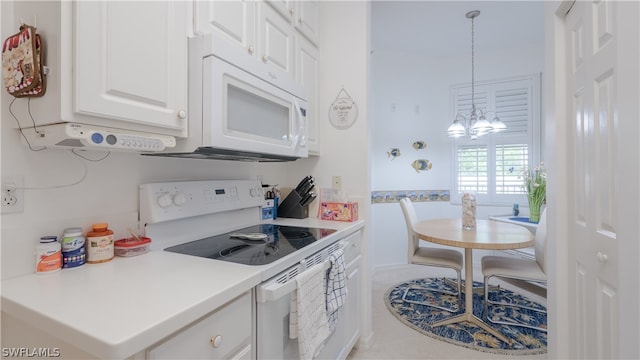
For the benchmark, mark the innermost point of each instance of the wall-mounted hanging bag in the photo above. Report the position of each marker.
(22, 64)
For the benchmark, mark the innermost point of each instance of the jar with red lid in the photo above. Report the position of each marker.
(132, 246)
(99, 244)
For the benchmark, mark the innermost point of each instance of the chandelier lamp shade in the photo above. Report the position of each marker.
(476, 123)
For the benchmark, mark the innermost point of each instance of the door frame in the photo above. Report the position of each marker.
(556, 159)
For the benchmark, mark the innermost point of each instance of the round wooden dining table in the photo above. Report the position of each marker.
(488, 235)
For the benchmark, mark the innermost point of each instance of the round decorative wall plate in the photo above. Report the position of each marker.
(343, 111)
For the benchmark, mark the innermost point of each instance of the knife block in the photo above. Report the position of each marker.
(291, 208)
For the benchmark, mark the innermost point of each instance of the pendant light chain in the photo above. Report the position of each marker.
(473, 84)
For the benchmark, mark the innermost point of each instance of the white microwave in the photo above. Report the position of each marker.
(240, 108)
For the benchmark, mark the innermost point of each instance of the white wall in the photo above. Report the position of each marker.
(109, 192)
(419, 88)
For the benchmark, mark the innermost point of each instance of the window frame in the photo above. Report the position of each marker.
(487, 91)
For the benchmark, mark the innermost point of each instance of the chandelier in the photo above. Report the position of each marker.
(476, 124)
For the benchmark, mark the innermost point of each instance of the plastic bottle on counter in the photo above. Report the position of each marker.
(73, 253)
(99, 244)
(48, 255)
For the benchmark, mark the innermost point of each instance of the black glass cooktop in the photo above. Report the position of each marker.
(279, 242)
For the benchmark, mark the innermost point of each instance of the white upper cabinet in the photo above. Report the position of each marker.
(235, 20)
(130, 61)
(306, 19)
(303, 15)
(119, 64)
(284, 7)
(276, 44)
(307, 76)
(268, 30)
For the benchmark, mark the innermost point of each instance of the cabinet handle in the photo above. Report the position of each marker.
(216, 341)
(300, 20)
(265, 58)
(602, 257)
(251, 49)
(182, 114)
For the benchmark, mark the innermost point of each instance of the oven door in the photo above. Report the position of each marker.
(273, 338)
(243, 112)
(272, 318)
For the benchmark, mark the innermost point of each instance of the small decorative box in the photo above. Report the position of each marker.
(339, 211)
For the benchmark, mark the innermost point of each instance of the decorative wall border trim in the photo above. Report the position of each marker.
(392, 196)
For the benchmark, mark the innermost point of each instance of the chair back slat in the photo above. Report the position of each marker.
(410, 218)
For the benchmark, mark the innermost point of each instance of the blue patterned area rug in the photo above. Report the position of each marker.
(525, 341)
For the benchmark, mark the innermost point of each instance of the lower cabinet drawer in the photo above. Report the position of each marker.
(352, 246)
(224, 334)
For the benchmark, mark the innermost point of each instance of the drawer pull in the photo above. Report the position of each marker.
(216, 341)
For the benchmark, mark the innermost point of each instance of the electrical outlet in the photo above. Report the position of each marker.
(12, 195)
(336, 182)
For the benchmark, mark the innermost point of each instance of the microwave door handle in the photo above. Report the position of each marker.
(299, 139)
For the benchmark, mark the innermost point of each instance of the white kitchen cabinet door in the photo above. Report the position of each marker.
(352, 308)
(306, 19)
(276, 44)
(225, 334)
(284, 7)
(235, 20)
(130, 61)
(307, 76)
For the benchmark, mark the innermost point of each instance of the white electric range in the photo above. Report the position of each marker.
(219, 220)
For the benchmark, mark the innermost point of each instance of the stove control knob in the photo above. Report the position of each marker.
(179, 199)
(164, 201)
(255, 192)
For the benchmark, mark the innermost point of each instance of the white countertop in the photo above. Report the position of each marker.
(118, 308)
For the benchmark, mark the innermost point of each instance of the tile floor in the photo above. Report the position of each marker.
(394, 340)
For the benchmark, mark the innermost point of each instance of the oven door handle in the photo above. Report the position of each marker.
(275, 290)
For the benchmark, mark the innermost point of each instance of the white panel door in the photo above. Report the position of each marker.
(307, 75)
(235, 20)
(600, 228)
(130, 61)
(306, 19)
(284, 7)
(276, 45)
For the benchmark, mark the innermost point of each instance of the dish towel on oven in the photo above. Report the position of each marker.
(336, 287)
(308, 316)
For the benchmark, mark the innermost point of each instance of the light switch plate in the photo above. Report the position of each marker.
(336, 182)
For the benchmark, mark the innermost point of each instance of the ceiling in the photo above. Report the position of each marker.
(440, 28)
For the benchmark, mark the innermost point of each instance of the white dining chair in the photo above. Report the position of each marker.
(517, 268)
(430, 256)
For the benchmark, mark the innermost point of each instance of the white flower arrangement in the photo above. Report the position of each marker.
(535, 183)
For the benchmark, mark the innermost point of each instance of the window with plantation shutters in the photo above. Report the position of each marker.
(472, 169)
(491, 166)
(511, 159)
